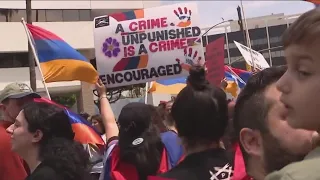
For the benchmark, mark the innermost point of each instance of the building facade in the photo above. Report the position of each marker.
(265, 34)
(72, 21)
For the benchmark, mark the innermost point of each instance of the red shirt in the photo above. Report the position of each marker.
(11, 165)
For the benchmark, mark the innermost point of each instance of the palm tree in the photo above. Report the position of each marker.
(8, 13)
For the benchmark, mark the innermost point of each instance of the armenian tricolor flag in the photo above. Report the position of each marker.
(84, 132)
(315, 2)
(232, 89)
(235, 80)
(175, 85)
(58, 60)
(244, 75)
(168, 86)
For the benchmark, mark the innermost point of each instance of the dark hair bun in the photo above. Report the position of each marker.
(197, 77)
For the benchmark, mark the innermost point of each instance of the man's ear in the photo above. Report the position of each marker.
(2, 107)
(251, 142)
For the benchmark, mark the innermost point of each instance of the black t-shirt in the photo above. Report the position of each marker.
(44, 172)
(213, 164)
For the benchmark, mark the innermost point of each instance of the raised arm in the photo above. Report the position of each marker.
(107, 115)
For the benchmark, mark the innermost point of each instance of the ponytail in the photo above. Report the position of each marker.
(146, 157)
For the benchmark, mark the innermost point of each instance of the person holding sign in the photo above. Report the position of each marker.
(136, 149)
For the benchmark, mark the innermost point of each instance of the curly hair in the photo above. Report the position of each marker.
(57, 149)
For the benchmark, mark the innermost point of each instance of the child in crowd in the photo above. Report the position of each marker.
(300, 86)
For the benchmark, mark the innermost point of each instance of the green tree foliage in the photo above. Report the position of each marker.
(66, 100)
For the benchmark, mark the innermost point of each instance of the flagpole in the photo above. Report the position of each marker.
(238, 77)
(247, 34)
(146, 93)
(35, 56)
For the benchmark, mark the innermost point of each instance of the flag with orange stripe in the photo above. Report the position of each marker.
(315, 2)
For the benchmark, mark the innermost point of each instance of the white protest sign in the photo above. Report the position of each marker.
(258, 59)
(145, 45)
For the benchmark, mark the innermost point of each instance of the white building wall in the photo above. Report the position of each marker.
(9, 75)
(78, 34)
(81, 4)
(257, 22)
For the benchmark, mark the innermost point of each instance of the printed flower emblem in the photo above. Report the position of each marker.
(111, 47)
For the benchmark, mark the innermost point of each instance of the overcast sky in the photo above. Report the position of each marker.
(211, 12)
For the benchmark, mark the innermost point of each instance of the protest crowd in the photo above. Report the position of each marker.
(269, 132)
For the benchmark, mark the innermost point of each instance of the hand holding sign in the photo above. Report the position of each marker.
(101, 89)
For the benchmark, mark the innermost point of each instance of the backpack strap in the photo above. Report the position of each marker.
(173, 147)
(173, 152)
(105, 174)
(121, 170)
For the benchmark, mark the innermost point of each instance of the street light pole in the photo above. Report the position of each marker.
(240, 22)
(32, 71)
(248, 38)
(205, 33)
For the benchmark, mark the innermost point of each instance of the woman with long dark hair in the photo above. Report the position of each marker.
(136, 124)
(42, 135)
(166, 119)
(137, 149)
(96, 122)
(200, 114)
